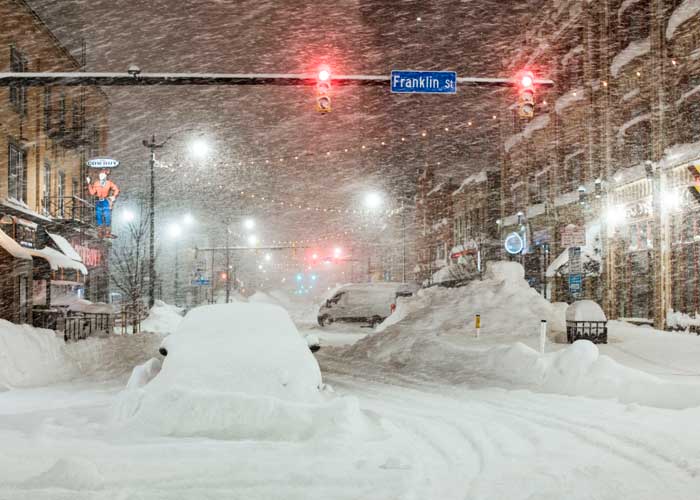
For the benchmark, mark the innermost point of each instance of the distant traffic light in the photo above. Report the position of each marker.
(323, 90)
(526, 95)
(695, 187)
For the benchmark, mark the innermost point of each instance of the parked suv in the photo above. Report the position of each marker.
(366, 303)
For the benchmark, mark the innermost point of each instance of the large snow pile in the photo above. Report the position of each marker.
(506, 303)
(162, 318)
(31, 356)
(233, 371)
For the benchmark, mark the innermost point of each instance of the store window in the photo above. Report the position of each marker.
(61, 193)
(17, 172)
(47, 188)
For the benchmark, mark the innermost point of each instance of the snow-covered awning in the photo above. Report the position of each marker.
(65, 247)
(57, 260)
(557, 266)
(13, 248)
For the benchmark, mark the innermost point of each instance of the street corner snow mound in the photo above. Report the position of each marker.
(68, 474)
(511, 272)
(162, 318)
(31, 356)
(238, 371)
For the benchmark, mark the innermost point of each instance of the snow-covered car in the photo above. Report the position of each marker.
(232, 370)
(368, 303)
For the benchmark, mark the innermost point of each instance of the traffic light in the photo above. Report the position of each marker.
(695, 187)
(323, 90)
(526, 95)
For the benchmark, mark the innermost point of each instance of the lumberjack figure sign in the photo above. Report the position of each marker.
(106, 193)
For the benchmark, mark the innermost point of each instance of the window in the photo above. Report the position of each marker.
(47, 188)
(47, 109)
(17, 173)
(18, 93)
(62, 112)
(61, 193)
(23, 292)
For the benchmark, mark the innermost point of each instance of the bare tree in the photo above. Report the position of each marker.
(129, 265)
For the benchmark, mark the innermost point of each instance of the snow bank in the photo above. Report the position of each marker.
(680, 320)
(431, 336)
(585, 310)
(144, 373)
(236, 371)
(31, 356)
(163, 318)
(634, 50)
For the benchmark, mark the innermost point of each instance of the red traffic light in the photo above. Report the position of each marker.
(324, 74)
(527, 80)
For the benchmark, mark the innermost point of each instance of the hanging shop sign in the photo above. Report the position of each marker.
(540, 237)
(102, 163)
(575, 265)
(575, 284)
(573, 236)
(639, 209)
(514, 243)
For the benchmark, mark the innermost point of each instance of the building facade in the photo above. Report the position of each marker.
(597, 183)
(51, 252)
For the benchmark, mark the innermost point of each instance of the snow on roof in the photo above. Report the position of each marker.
(536, 124)
(437, 188)
(680, 154)
(568, 99)
(57, 260)
(631, 123)
(587, 255)
(85, 306)
(625, 5)
(681, 14)
(634, 50)
(629, 95)
(20, 206)
(630, 174)
(65, 247)
(474, 179)
(687, 94)
(566, 199)
(13, 248)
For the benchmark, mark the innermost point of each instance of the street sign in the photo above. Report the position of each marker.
(573, 236)
(575, 266)
(575, 282)
(102, 163)
(201, 282)
(424, 82)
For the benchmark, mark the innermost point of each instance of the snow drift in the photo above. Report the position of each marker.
(235, 371)
(31, 356)
(34, 356)
(431, 337)
(162, 318)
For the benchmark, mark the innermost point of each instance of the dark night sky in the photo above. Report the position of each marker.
(254, 124)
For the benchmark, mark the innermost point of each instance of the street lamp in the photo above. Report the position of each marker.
(128, 216)
(249, 224)
(199, 148)
(373, 200)
(187, 219)
(152, 145)
(252, 240)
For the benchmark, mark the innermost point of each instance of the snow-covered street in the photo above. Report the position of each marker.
(434, 441)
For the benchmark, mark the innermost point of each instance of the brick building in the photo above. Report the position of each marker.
(609, 151)
(49, 249)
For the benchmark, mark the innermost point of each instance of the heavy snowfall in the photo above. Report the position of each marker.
(363, 249)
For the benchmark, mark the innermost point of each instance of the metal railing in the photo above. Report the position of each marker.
(69, 208)
(72, 324)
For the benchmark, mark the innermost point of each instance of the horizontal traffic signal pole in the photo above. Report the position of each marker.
(148, 79)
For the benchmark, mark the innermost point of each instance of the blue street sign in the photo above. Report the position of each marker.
(424, 82)
(575, 282)
(200, 282)
(514, 243)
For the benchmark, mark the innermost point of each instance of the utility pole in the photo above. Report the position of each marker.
(152, 146)
(228, 265)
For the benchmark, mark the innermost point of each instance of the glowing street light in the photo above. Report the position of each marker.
(174, 230)
(373, 200)
(188, 219)
(129, 216)
(252, 240)
(199, 148)
(337, 252)
(249, 224)
(268, 257)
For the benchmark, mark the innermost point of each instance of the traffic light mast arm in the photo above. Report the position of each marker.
(145, 79)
